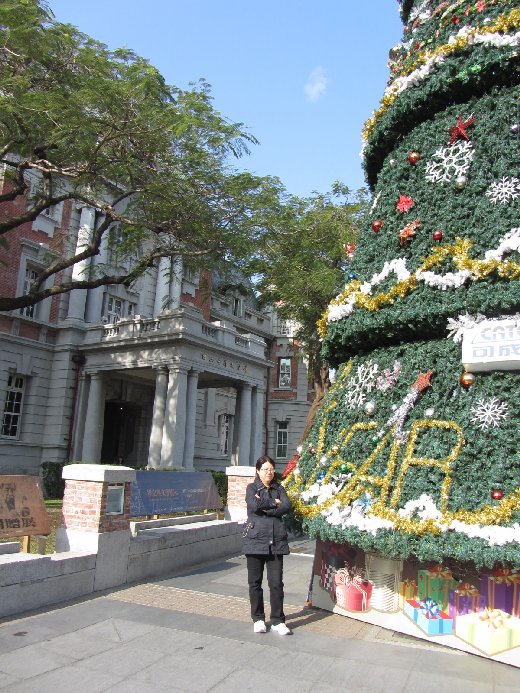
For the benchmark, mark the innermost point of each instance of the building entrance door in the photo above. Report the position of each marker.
(119, 430)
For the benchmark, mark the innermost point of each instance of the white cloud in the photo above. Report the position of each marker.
(316, 84)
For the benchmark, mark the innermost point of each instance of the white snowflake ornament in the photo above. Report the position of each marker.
(504, 190)
(450, 162)
(360, 384)
(487, 413)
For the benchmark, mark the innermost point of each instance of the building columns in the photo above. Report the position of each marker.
(257, 420)
(159, 408)
(244, 425)
(169, 284)
(93, 431)
(79, 421)
(191, 415)
(78, 297)
(174, 429)
(162, 287)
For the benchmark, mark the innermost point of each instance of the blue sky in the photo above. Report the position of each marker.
(302, 75)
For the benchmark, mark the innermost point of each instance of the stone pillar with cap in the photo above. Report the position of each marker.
(238, 479)
(96, 518)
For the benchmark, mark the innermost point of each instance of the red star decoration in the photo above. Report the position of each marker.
(423, 381)
(404, 203)
(459, 130)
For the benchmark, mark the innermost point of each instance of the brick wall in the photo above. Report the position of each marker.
(84, 507)
(10, 257)
(202, 298)
(237, 485)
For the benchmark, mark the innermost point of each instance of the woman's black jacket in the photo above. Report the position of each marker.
(266, 531)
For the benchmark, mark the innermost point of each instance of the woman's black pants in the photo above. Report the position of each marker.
(255, 573)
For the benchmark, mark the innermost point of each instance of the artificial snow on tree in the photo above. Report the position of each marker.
(410, 461)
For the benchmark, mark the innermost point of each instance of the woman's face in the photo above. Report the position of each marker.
(266, 473)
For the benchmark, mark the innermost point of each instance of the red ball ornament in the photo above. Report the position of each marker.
(376, 225)
(437, 235)
(467, 380)
(497, 494)
(414, 157)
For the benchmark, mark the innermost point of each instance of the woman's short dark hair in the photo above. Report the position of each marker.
(262, 460)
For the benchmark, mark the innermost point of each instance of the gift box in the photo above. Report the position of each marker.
(464, 599)
(353, 592)
(427, 615)
(435, 583)
(501, 590)
(407, 590)
(490, 631)
(334, 557)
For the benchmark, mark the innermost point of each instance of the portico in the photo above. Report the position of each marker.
(173, 378)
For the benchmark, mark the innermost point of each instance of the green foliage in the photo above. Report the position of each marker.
(53, 484)
(461, 75)
(425, 491)
(466, 213)
(487, 460)
(221, 482)
(300, 263)
(102, 127)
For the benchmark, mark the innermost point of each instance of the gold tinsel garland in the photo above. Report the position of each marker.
(503, 24)
(457, 251)
(362, 482)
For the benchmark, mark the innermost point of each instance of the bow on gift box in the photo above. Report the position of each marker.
(505, 576)
(440, 572)
(493, 618)
(429, 608)
(466, 590)
(351, 577)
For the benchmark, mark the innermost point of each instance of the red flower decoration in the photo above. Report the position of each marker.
(290, 466)
(459, 130)
(404, 203)
(481, 6)
(349, 248)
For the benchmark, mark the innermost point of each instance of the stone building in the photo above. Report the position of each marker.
(107, 375)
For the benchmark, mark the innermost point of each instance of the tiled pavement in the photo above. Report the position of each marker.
(192, 632)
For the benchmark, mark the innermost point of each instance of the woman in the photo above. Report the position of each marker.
(265, 544)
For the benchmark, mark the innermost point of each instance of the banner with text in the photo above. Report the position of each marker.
(161, 493)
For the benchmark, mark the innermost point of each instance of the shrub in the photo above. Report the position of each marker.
(221, 482)
(53, 484)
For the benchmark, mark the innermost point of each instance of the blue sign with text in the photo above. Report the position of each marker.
(161, 493)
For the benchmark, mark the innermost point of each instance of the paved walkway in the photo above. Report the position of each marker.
(192, 632)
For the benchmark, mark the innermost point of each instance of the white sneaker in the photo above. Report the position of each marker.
(259, 627)
(281, 629)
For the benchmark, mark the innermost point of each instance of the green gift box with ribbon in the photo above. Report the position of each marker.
(435, 583)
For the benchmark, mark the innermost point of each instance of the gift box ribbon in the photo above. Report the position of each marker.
(504, 576)
(439, 571)
(466, 590)
(429, 608)
(492, 618)
(345, 577)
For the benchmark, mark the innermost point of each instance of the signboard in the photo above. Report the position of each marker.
(492, 345)
(22, 510)
(115, 500)
(161, 493)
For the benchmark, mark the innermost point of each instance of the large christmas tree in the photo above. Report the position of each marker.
(411, 456)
